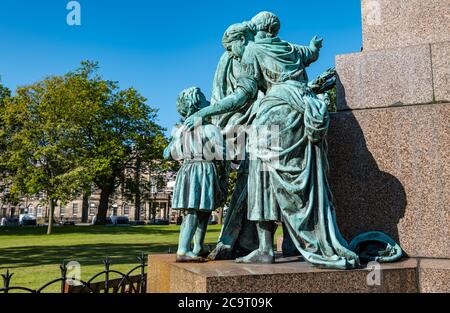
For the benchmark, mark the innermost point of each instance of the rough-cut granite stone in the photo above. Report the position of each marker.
(390, 171)
(384, 78)
(441, 70)
(162, 277)
(434, 276)
(401, 23)
(288, 275)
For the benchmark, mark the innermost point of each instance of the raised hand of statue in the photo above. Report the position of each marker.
(316, 42)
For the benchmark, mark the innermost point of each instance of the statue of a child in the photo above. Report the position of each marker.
(197, 190)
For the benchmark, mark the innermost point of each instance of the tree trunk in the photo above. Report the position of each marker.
(105, 194)
(137, 195)
(220, 219)
(51, 214)
(85, 208)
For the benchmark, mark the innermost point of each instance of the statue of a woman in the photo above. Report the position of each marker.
(294, 188)
(238, 235)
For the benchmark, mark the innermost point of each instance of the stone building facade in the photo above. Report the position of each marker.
(156, 203)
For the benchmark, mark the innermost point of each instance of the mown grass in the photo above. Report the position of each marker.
(34, 257)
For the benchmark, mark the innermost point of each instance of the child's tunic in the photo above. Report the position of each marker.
(197, 185)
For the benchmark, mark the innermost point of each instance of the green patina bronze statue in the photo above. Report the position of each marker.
(261, 83)
(196, 188)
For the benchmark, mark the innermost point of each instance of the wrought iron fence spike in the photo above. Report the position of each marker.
(7, 279)
(63, 266)
(141, 259)
(107, 262)
(7, 275)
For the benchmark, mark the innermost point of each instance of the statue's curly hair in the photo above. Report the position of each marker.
(236, 32)
(188, 101)
(266, 21)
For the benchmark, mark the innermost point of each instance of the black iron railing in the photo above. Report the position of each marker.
(134, 281)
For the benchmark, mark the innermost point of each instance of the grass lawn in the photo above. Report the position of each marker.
(34, 257)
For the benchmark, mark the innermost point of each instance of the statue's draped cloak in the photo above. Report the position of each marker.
(238, 235)
(286, 182)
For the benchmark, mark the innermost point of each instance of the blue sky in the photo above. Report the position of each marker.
(158, 47)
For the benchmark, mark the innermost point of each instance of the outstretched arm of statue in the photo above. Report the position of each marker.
(246, 90)
(311, 53)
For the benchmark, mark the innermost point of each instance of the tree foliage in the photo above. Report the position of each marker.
(64, 134)
(42, 128)
(124, 135)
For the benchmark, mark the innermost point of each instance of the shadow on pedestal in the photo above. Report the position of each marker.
(365, 197)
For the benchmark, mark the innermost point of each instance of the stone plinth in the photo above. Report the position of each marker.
(394, 77)
(434, 276)
(441, 70)
(385, 78)
(287, 275)
(401, 23)
(390, 171)
(389, 142)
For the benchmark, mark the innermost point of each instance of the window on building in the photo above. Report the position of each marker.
(75, 209)
(62, 211)
(143, 211)
(92, 209)
(161, 184)
(114, 210)
(39, 211)
(126, 209)
(153, 188)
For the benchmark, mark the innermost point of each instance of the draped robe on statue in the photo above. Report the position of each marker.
(238, 235)
(287, 182)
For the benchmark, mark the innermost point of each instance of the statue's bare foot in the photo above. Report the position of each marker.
(220, 252)
(257, 257)
(190, 258)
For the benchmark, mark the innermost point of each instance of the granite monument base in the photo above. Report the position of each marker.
(290, 275)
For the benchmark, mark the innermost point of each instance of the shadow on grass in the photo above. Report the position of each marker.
(39, 249)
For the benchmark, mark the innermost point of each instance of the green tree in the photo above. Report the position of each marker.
(67, 134)
(43, 135)
(147, 159)
(4, 93)
(124, 135)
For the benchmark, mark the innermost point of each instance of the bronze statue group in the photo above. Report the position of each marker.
(261, 84)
